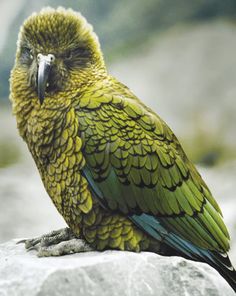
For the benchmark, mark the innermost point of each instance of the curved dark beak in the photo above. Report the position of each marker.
(44, 67)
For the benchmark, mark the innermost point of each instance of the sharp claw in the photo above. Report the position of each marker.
(34, 248)
(21, 241)
(31, 243)
(28, 246)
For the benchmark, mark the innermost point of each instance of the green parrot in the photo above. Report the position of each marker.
(112, 167)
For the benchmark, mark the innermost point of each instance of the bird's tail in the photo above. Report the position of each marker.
(222, 264)
(219, 261)
(181, 247)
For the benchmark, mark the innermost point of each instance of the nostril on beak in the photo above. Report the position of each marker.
(39, 56)
(49, 59)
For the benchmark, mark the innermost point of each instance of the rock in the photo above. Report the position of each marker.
(107, 273)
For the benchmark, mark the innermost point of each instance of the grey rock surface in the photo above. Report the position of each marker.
(109, 273)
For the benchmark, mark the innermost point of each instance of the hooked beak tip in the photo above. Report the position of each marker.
(41, 97)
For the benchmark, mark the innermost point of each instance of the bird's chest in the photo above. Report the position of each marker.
(43, 131)
(56, 148)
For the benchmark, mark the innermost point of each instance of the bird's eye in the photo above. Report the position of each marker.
(76, 52)
(27, 54)
(26, 50)
(81, 51)
(68, 55)
(79, 56)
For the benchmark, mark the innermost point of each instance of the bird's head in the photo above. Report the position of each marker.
(57, 51)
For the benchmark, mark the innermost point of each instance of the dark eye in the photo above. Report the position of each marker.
(78, 52)
(27, 51)
(27, 54)
(77, 57)
(81, 51)
(68, 55)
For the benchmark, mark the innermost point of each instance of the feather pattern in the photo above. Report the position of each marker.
(158, 181)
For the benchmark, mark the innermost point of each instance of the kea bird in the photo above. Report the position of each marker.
(112, 167)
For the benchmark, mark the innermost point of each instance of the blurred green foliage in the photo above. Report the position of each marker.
(121, 25)
(9, 153)
(207, 149)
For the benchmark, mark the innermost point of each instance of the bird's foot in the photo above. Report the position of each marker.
(56, 243)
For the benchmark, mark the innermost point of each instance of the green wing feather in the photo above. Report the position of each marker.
(138, 166)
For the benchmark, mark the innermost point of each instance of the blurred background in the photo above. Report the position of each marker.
(179, 57)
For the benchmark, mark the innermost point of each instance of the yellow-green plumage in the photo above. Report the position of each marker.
(114, 169)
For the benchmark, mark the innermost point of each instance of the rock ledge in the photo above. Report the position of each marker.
(108, 273)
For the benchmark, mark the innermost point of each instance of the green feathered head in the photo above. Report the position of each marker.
(58, 50)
